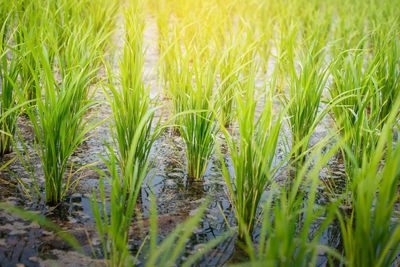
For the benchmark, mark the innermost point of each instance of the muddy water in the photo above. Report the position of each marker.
(25, 242)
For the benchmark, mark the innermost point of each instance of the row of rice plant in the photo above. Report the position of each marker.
(51, 71)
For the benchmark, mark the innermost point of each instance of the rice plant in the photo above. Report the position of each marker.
(101, 20)
(370, 235)
(27, 37)
(58, 121)
(357, 112)
(162, 14)
(237, 68)
(387, 74)
(199, 127)
(180, 82)
(252, 153)
(303, 100)
(290, 216)
(130, 101)
(9, 95)
(114, 228)
(229, 76)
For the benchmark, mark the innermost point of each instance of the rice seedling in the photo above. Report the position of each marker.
(290, 216)
(131, 101)
(199, 127)
(8, 100)
(252, 156)
(27, 37)
(266, 19)
(371, 236)
(102, 21)
(162, 16)
(58, 121)
(114, 228)
(8, 76)
(7, 14)
(387, 74)
(357, 111)
(229, 76)
(303, 101)
(180, 82)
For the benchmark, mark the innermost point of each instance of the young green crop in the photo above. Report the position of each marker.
(26, 36)
(199, 127)
(114, 228)
(357, 108)
(170, 61)
(229, 76)
(290, 215)
(370, 235)
(387, 75)
(8, 98)
(58, 120)
(252, 153)
(180, 82)
(131, 101)
(304, 97)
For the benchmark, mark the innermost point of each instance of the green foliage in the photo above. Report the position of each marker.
(131, 101)
(252, 153)
(199, 127)
(58, 120)
(370, 236)
(290, 215)
(304, 98)
(9, 95)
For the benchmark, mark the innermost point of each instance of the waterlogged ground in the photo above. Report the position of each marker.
(27, 243)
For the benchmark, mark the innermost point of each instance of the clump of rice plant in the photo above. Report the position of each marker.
(370, 235)
(252, 152)
(8, 79)
(26, 37)
(304, 97)
(199, 127)
(229, 76)
(387, 73)
(265, 17)
(170, 65)
(180, 81)
(102, 22)
(114, 228)
(161, 10)
(233, 66)
(357, 107)
(289, 216)
(131, 101)
(58, 121)
(8, 98)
